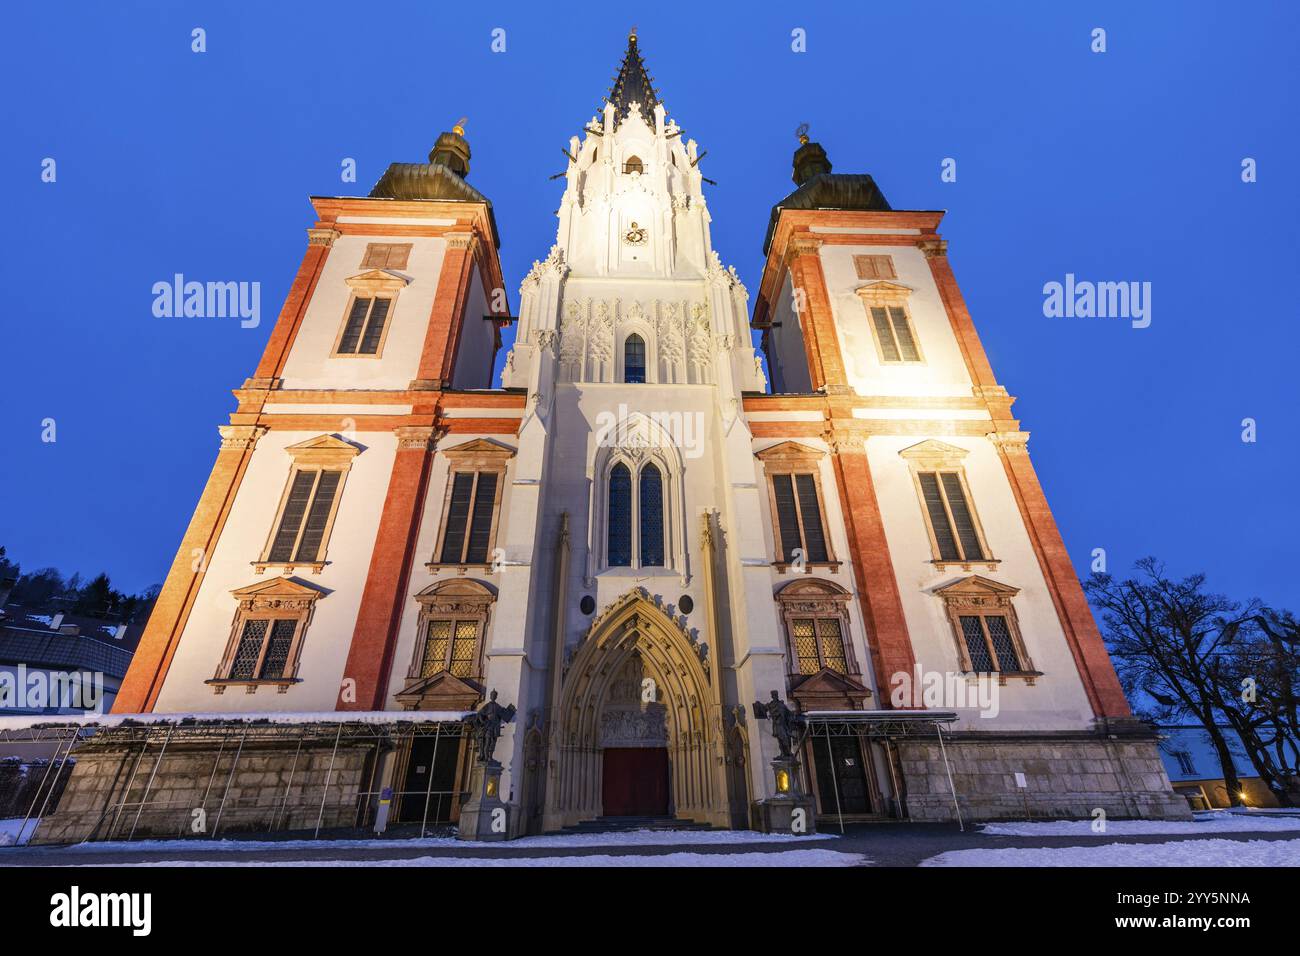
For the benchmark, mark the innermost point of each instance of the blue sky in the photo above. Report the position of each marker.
(1117, 166)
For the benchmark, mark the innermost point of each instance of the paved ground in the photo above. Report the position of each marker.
(893, 844)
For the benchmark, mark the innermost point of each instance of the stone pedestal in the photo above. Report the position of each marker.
(486, 817)
(789, 810)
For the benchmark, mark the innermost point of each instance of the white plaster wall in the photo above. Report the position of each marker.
(1057, 700)
(329, 635)
(310, 364)
(943, 372)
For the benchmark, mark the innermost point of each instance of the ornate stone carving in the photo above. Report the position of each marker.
(240, 437)
(322, 237)
(933, 247)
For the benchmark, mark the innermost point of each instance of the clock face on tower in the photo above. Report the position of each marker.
(635, 236)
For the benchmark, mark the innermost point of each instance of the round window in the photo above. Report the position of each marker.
(587, 604)
(686, 604)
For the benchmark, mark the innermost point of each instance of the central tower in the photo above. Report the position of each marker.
(634, 348)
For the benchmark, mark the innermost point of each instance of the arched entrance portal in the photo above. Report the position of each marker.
(636, 724)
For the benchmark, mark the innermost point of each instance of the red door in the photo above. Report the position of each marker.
(635, 782)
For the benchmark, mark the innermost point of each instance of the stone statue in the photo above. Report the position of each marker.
(786, 724)
(486, 723)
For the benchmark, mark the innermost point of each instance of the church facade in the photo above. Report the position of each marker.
(643, 528)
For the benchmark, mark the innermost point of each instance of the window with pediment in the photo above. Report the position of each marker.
(983, 617)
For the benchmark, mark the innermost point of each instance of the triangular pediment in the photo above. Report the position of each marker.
(789, 451)
(884, 289)
(324, 443)
(828, 688)
(284, 587)
(976, 584)
(378, 280)
(441, 690)
(479, 447)
(933, 450)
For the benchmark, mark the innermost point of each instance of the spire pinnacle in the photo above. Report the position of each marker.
(632, 83)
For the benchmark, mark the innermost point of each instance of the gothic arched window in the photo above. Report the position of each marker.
(652, 517)
(633, 165)
(620, 517)
(634, 359)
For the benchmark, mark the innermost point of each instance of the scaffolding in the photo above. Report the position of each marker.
(886, 725)
(150, 736)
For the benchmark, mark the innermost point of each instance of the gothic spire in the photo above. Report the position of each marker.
(633, 84)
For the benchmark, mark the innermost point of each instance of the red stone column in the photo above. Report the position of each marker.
(882, 605)
(374, 638)
(442, 339)
(820, 337)
(286, 328)
(144, 678)
(1090, 655)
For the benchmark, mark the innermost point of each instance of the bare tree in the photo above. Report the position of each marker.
(1163, 635)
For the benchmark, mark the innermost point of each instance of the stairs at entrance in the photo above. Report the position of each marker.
(624, 824)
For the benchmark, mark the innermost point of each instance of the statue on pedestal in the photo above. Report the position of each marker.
(787, 726)
(485, 725)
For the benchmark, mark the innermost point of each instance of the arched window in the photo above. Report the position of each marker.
(634, 359)
(633, 165)
(652, 518)
(620, 517)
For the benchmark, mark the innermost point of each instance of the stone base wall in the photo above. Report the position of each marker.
(268, 785)
(1066, 776)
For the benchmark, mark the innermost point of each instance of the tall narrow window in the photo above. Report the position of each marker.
(894, 333)
(620, 517)
(471, 509)
(984, 621)
(263, 649)
(799, 517)
(652, 518)
(951, 520)
(267, 633)
(797, 503)
(305, 517)
(449, 633)
(634, 359)
(816, 618)
(471, 512)
(364, 329)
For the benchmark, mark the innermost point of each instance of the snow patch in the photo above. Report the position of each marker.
(1205, 823)
(819, 858)
(1180, 853)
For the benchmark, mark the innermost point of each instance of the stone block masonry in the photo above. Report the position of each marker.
(1067, 775)
(206, 788)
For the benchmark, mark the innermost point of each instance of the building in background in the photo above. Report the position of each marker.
(635, 537)
(1196, 773)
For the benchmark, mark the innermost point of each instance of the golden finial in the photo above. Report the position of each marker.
(802, 133)
(631, 35)
(459, 128)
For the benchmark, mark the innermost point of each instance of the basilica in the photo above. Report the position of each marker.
(681, 496)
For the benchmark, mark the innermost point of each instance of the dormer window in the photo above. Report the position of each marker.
(633, 165)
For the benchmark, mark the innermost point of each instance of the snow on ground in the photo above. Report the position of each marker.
(1204, 825)
(550, 842)
(9, 831)
(787, 858)
(1178, 853)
